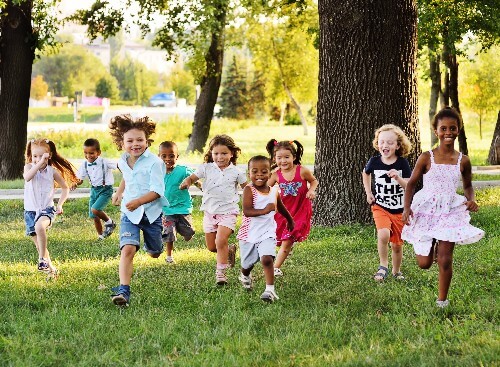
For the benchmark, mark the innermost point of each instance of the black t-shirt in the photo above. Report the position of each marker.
(388, 193)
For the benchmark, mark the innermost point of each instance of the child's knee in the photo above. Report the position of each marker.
(266, 260)
(424, 262)
(154, 256)
(384, 234)
(397, 249)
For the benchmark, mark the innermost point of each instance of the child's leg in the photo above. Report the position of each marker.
(126, 266)
(210, 241)
(98, 225)
(283, 253)
(426, 261)
(170, 247)
(41, 226)
(267, 265)
(383, 235)
(445, 262)
(221, 243)
(397, 258)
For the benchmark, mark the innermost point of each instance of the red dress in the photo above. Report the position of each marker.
(293, 195)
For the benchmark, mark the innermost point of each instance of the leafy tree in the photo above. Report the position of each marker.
(25, 28)
(367, 78)
(39, 88)
(182, 82)
(233, 98)
(107, 87)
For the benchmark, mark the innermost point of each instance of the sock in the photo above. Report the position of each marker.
(109, 221)
(222, 266)
(270, 287)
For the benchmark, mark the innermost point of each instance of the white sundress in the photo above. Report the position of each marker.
(439, 212)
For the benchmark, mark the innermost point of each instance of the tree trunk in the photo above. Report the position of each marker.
(453, 66)
(367, 78)
(209, 88)
(494, 155)
(435, 74)
(16, 59)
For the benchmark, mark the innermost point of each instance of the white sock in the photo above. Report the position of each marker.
(109, 221)
(270, 287)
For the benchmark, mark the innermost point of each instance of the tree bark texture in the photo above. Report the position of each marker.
(494, 154)
(367, 78)
(17, 50)
(453, 66)
(435, 75)
(210, 85)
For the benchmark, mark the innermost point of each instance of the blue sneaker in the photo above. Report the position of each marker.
(121, 297)
(43, 265)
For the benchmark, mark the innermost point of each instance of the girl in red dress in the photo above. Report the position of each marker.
(298, 187)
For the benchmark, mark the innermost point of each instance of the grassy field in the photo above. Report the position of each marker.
(331, 313)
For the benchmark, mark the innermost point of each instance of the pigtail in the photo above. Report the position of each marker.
(27, 153)
(65, 168)
(270, 147)
(299, 152)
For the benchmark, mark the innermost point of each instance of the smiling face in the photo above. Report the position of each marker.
(221, 155)
(447, 130)
(135, 142)
(37, 153)
(259, 172)
(388, 144)
(284, 159)
(168, 156)
(91, 153)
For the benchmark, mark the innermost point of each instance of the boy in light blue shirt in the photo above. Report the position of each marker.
(141, 194)
(177, 215)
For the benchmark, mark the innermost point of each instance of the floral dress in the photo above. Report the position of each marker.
(439, 212)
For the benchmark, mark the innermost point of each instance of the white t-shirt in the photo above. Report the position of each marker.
(95, 172)
(220, 188)
(39, 191)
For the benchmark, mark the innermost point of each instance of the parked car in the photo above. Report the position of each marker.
(163, 100)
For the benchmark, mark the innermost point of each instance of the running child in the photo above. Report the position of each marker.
(44, 166)
(391, 173)
(436, 218)
(141, 194)
(177, 215)
(100, 174)
(257, 233)
(220, 199)
(298, 187)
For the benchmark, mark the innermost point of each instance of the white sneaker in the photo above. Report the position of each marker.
(442, 304)
(246, 281)
(170, 260)
(278, 272)
(269, 296)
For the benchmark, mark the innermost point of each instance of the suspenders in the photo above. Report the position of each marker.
(103, 174)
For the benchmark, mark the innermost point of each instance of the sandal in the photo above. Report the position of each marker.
(381, 275)
(398, 276)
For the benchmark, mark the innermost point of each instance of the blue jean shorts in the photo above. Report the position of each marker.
(130, 234)
(30, 219)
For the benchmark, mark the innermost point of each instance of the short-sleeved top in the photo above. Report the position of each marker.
(94, 171)
(220, 188)
(388, 193)
(179, 200)
(261, 227)
(146, 176)
(39, 191)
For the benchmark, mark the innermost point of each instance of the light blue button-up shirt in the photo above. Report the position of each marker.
(147, 175)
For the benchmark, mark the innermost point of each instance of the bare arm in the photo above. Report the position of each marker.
(64, 191)
(284, 212)
(188, 181)
(307, 175)
(117, 196)
(144, 199)
(77, 183)
(30, 169)
(248, 208)
(367, 184)
(466, 170)
(394, 174)
(273, 179)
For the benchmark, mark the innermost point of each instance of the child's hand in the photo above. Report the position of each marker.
(73, 187)
(407, 214)
(370, 199)
(291, 225)
(393, 174)
(270, 207)
(471, 206)
(311, 194)
(133, 204)
(59, 209)
(185, 184)
(116, 199)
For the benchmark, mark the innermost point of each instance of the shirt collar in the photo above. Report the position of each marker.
(216, 166)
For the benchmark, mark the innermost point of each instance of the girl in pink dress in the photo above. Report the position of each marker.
(437, 215)
(298, 187)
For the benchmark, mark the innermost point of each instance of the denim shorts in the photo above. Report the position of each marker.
(99, 198)
(30, 219)
(130, 234)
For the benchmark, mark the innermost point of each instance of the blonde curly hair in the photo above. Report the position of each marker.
(403, 141)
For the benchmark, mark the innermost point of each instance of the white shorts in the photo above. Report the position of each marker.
(250, 253)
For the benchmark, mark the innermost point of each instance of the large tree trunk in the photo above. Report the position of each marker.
(435, 75)
(494, 155)
(209, 88)
(453, 66)
(16, 60)
(367, 78)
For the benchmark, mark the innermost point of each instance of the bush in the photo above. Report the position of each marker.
(292, 119)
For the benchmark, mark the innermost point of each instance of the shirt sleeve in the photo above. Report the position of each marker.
(242, 177)
(157, 178)
(110, 164)
(81, 173)
(189, 172)
(406, 168)
(369, 166)
(201, 171)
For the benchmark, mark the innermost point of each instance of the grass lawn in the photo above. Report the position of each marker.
(330, 313)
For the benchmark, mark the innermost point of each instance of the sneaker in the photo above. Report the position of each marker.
(108, 229)
(43, 265)
(170, 260)
(246, 281)
(442, 304)
(269, 296)
(220, 277)
(231, 257)
(398, 276)
(100, 237)
(278, 272)
(121, 296)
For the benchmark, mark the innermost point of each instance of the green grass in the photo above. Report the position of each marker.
(330, 313)
(63, 114)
